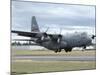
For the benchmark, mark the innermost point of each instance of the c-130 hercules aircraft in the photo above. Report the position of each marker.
(56, 42)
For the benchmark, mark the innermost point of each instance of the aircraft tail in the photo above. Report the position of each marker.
(34, 25)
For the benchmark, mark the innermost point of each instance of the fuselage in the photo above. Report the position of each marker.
(69, 41)
(77, 39)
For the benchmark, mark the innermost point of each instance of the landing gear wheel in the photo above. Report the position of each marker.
(56, 51)
(68, 50)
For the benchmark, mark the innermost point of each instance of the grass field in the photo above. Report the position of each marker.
(28, 66)
(48, 52)
(22, 67)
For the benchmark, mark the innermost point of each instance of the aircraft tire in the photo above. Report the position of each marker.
(68, 50)
(56, 51)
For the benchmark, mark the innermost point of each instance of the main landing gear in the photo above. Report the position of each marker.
(58, 50)
(68, 49)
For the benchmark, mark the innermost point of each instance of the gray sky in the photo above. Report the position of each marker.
(56, 16)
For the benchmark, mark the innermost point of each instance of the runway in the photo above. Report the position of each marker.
(55, 58)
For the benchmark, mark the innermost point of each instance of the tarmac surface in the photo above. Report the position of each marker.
(55, 58)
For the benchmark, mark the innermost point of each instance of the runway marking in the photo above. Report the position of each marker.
(55, 58)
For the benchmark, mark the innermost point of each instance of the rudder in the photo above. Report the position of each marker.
(34, 25)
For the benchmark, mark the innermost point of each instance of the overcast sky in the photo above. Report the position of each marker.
(55, 16)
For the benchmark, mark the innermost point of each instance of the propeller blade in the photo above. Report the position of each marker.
(47, 29)
(42, 38)
(59, 39)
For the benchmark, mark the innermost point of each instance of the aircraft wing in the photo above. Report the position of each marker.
(23, 40)
(26, 34)
(54, 37)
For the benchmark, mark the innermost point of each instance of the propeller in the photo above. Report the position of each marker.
(55, 37)
(44, 34)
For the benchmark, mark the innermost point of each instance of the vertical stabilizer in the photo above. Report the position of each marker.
(34, 25)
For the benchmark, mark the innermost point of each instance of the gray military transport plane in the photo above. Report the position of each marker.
(55, 42)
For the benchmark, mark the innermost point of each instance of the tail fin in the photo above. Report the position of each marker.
(34, 25)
